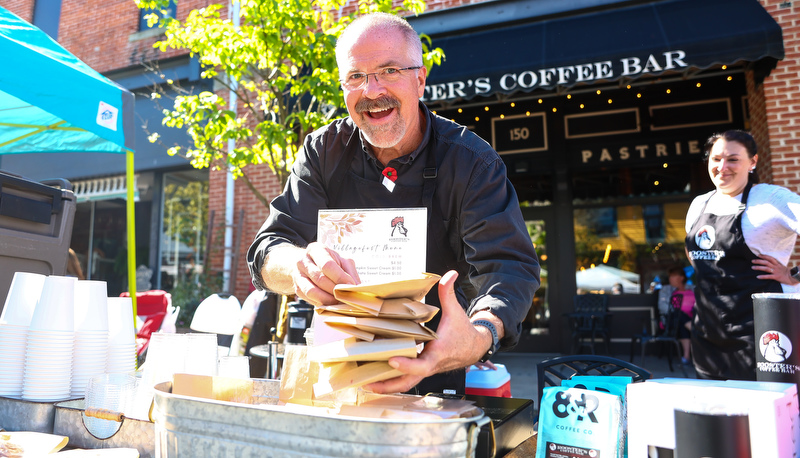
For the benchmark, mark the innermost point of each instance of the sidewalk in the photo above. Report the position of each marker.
(522, 367)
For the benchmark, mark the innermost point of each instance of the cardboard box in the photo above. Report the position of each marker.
(772, 409)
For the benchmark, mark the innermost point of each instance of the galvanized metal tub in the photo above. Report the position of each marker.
(189, 426)
(132, 433)
(21, 415)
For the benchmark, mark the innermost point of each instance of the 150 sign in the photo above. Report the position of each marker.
(519, 133)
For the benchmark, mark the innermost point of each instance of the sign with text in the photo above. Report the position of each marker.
(519, 134)
(551, 77)
(386, 243)
(636, 153)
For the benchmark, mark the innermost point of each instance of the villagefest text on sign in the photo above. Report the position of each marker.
(550, 77)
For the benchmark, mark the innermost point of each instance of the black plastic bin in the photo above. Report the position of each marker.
(35, 227)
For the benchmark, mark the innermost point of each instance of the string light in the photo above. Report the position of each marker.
(513, 105)
(582, 106)
(665, 165)
(554, 109)
(669, 91)
(485, 108)
(639, 95)
(569, 96)
(610, 101)
(527, 113)
(730, 78)
(656, 183)
(477, 118)
(460, 110)
(598, 92)
(628, 86)
(540, 100)
(502, 116)
(724, 67)
(698, 84)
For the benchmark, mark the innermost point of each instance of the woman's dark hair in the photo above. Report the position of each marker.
(739, 136)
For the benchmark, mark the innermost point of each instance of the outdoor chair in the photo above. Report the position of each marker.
(668, 335)
(589, 320)
(552, 371)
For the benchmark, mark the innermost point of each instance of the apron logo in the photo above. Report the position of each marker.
(705, 237)
(399, 223)
(775, 347)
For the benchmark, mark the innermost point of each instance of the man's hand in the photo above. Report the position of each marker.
(319, 270)
(310, 273)
(459, 345)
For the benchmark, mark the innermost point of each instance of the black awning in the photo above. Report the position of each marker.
(641, 40)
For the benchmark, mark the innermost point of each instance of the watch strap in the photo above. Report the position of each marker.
(495, 339)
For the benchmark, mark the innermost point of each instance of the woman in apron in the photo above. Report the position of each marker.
(739, 239)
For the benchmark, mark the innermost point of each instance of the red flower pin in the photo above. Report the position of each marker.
(390, 173)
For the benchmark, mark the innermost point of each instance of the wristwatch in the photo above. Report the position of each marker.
(495, 340)
(795, 273)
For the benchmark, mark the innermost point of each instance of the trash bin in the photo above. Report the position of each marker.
(35, 227)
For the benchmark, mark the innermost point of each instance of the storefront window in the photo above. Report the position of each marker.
(183, 234)
(537, 321)
(633, 258)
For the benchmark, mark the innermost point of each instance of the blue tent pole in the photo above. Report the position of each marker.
(131, 233)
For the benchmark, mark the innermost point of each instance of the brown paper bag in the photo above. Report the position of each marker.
(355, 376)
(358, 326)
(217, 388)
(399, 309)
(298, 376)
(412, 288)
(354, 350)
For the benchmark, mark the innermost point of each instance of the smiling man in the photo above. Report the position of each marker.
(475, 227)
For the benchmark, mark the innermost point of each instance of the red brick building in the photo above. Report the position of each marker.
(605, 161)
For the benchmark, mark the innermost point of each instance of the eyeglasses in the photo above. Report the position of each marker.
(388, 75)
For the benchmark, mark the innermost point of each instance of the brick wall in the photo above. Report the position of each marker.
(780, 91)
(22, 8)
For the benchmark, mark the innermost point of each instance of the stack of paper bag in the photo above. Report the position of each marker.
(353, 340)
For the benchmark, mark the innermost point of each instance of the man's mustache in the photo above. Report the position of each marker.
(383, 103)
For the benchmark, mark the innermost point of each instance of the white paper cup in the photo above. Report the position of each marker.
(91, 306)
(56, 308)
(26, 288)
(234, 367)
(120, 321)
(201, 353)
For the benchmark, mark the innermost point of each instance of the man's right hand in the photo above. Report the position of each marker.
(318, 270)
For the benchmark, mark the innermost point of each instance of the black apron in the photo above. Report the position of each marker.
(348, 190)
(723, 343)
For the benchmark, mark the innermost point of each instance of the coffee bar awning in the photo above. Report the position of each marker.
(601, 46)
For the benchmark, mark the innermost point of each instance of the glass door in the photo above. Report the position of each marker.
(536, 331)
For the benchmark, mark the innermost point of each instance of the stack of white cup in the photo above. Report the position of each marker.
(14, 323)
(91, 334)
(121, 336)
(51, 337)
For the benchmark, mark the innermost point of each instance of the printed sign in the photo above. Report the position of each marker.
(107, 116)
(386, 244)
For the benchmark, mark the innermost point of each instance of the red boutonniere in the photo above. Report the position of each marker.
(390, 173)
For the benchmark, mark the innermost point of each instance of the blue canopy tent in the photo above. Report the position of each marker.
(51, 102)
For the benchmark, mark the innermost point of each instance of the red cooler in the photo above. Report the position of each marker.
(488, 382)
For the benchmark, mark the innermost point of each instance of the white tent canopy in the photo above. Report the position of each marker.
(603, 277)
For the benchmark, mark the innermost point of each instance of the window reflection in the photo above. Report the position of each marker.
(183, 235)
(627, 249)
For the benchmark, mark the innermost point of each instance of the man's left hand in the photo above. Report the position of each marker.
(459, 344)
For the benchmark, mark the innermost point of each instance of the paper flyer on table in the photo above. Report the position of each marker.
(386, 243)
